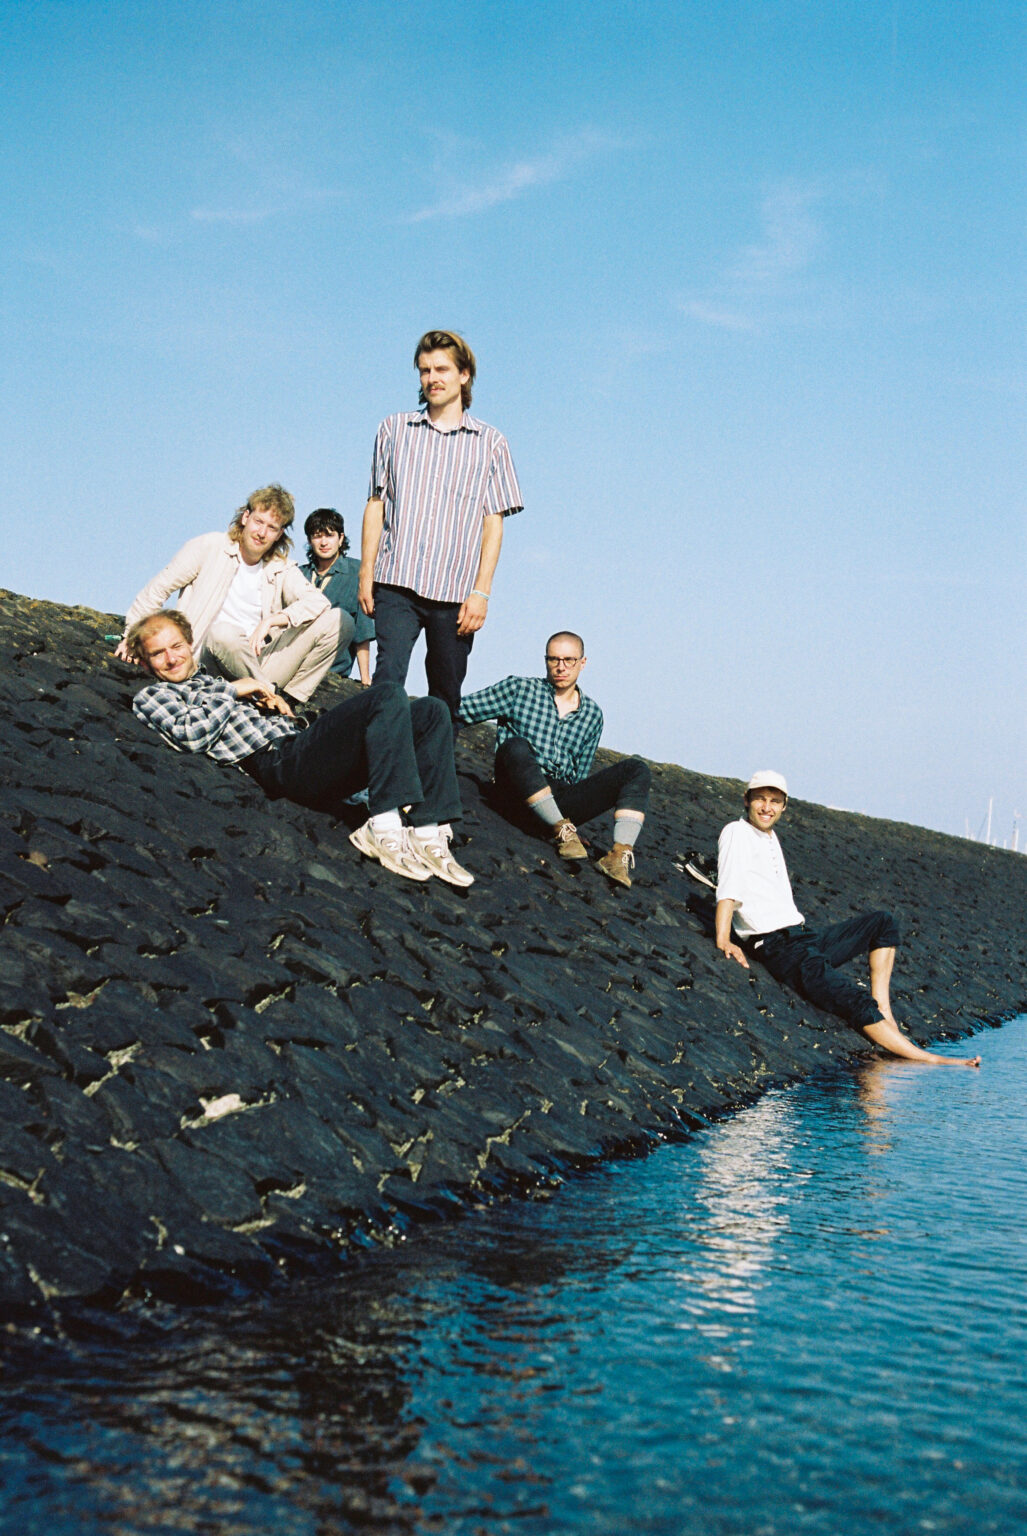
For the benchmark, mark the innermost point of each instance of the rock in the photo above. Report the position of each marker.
(230, 1047)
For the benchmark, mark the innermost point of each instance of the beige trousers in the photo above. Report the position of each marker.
(295, 661)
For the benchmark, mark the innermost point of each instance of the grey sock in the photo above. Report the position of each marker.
(626, 830)
(548, 811)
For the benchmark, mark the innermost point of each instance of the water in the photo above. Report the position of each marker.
(809, 1319)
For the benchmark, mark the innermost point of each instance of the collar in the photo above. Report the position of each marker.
(467, 423)
(267, 566)
(552, 695)
(771, 835)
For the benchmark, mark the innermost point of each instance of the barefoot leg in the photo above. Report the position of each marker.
(881, 963)
(887, 1034)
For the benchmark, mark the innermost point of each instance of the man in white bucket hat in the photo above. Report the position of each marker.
(757, 916)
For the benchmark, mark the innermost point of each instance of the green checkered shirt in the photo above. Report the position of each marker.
(524, 706)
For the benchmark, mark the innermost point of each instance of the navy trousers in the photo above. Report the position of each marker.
(399, 617)
(622, 786)
(806, 960)
(399, 749)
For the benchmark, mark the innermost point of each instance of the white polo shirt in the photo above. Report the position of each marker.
(751, 872)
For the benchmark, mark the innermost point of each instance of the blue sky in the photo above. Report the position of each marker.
(745, 282)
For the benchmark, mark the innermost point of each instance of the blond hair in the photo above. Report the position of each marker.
(136, 636)
(270, 498)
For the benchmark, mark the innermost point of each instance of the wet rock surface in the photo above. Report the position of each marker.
(231, 1048)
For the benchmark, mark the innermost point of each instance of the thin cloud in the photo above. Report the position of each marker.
(791, 238)
(710, 314)
(518, 177)
(233, 215)
(298, 200)
(763, 273)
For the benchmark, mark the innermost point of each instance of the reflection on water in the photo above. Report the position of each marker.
(809, 1318)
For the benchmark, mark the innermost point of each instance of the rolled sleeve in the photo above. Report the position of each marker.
(502, 493)
(381, 463)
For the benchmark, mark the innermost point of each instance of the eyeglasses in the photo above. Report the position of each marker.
(563, 661)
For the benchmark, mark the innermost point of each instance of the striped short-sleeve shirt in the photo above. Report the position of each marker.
(436, 488)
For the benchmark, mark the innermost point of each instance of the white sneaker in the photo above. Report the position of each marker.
(435, 855)
(392, 850)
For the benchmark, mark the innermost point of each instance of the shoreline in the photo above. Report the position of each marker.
(231, 1047)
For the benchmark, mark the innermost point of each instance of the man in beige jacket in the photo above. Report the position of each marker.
(253, 613)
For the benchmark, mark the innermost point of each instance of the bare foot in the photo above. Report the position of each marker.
(889, 1037)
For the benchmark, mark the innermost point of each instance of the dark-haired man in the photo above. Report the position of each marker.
(441, 484)
(547, 732)
(252, 613)
(401, 750)
(335, 573)
(757, 915)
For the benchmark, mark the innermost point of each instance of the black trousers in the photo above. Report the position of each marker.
(622, 786)
(399, 617)
(399, 749)
(806, 960)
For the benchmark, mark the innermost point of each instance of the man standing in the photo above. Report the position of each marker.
(441, 483)
(252, 613)
(754, 897)
(402, 751)
(547, 732)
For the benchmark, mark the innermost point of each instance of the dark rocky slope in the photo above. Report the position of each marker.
(231, 1047)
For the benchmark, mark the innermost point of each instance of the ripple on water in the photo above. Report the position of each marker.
(810, 1318)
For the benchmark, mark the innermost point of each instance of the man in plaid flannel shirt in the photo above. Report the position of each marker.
(547, 732)
(400, 750)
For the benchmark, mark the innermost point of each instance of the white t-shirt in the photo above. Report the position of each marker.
(241, 607)
(751, 872)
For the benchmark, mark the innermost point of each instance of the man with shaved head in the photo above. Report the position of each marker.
(547, 732)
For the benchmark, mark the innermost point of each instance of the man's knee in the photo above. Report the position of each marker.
(230, 649)
(638, 774)
(885, 933)
(338, 626)
(331, 625)
(224, 637)
(428, 713)
(515, 753)
(388, 697)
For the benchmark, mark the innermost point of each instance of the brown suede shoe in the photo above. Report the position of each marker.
(618, 863)
(568, 843)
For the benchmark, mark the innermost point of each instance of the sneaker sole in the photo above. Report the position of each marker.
(368, 848)
(461, 881)
(697, 874)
